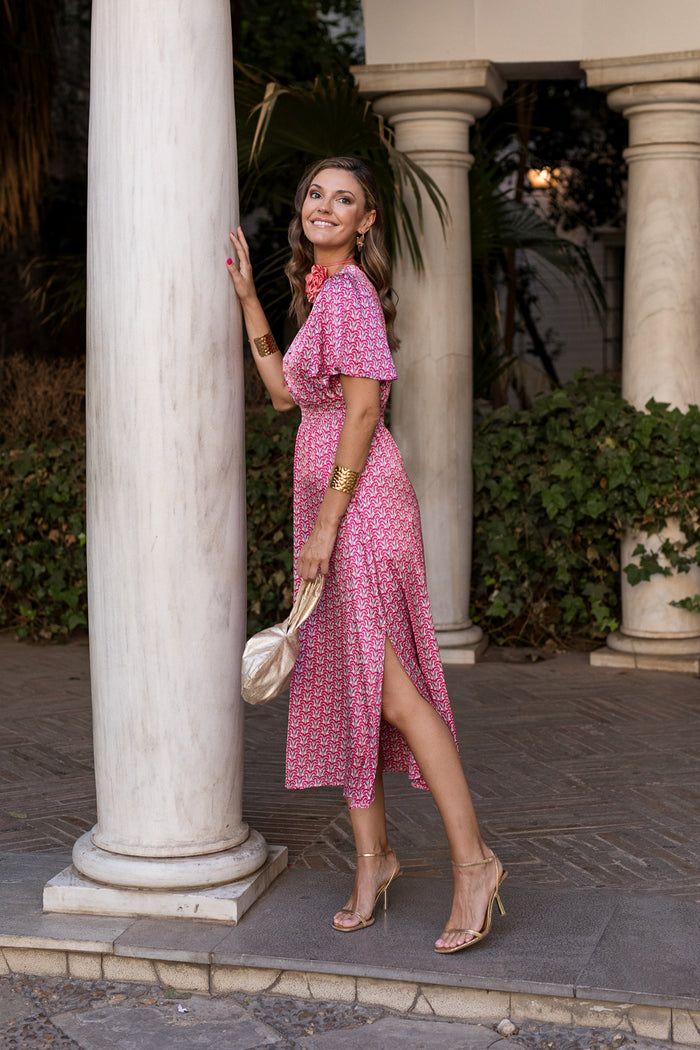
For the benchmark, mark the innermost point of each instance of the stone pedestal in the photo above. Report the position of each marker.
(166, 499)
(431, 107)
(661, 343)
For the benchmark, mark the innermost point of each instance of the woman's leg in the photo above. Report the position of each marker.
(369, 829)
(433, 747)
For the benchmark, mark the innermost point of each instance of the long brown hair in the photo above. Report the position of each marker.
(373, 259)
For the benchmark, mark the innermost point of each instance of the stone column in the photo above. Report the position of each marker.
(431, 108)
(661, 340)
(166, 498)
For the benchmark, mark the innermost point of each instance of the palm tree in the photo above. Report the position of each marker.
(27, 77)
(283, 127)
(500, 226)
(504, 229)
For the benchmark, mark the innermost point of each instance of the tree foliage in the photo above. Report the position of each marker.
(27, 76)
(511, 239)
(556, 488)
(575, 131)
(296, 42)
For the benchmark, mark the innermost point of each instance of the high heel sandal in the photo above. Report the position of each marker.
(477, 935)
(365, 921)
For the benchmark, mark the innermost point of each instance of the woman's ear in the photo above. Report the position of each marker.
(367, 221)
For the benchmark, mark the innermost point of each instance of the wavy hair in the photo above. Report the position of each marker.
(373, 259)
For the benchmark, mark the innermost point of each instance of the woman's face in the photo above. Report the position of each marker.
(333, 213)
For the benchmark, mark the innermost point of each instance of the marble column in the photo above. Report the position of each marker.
(166, 476)
(661, 340)
(431, 108)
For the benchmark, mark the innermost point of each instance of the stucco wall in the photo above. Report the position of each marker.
(512, 33)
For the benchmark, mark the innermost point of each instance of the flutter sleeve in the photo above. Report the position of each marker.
(353, 333)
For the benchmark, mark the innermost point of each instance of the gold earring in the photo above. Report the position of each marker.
(360, 241)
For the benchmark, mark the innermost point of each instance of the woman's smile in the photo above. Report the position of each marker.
(333, 213)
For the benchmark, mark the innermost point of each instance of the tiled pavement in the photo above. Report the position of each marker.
(585, 779)
(582, 777)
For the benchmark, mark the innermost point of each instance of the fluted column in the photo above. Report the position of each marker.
(166, 499)
(431, 110)
(661, 341)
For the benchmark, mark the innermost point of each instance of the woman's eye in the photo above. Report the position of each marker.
(344, 200)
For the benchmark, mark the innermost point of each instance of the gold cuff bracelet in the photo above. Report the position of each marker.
(343, 480)
(266, 345)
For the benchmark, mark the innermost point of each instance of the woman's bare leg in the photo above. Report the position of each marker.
(433, 747)
(369, 829)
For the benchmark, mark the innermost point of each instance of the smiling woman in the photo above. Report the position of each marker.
(366, 242)
(368, 692)
(333, 217)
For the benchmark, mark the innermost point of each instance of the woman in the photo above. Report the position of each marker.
(368, 692)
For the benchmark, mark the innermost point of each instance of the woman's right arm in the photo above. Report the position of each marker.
(269, 366)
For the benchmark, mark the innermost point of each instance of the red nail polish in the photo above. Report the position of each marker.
(229, 261)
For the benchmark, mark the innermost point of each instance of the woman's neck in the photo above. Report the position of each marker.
(332, 261)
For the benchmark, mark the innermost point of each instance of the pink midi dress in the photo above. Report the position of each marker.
(376, 585)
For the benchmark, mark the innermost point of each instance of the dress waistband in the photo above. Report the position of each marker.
(336, 407)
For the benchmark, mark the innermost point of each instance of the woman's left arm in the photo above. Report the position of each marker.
(362, 413)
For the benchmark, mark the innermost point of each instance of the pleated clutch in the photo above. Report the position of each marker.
(270, 655)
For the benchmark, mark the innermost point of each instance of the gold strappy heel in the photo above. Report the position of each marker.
(364, 921)
(478, 935)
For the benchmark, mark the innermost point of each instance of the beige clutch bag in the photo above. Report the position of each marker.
(270, 655)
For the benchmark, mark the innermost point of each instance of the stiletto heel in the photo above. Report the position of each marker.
(478, 935)
(365, 921)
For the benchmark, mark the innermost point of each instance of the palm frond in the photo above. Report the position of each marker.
(56, 288)
(329, 118)
(499, 223)
(531, 233)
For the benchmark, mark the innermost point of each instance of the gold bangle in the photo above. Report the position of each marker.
(266, 345)
(343, 480)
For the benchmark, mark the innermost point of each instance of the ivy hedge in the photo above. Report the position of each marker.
(43, 582)
(269, 443)
(555, 487)
(43, 578)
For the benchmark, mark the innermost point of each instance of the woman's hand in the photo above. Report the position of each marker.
(240, 268)
(315, 555)
(269, 366)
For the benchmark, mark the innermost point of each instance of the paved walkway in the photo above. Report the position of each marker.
(98, 1015)
(584, 779)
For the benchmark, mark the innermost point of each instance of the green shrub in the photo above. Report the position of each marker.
(269, 473)
(555, 487)
(43, 585)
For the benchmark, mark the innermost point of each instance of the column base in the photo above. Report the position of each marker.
(169, 873)
(649, 654)
(462, 647)
(72, 892)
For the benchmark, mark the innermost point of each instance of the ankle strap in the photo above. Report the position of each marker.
(385, 853)
(473, 863)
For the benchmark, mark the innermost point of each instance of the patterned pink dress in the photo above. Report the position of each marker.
(376, 585)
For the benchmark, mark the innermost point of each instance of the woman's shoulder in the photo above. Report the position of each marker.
(353, 276)
(350, 285)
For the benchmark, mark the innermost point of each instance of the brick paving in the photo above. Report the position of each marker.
(582, 777)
